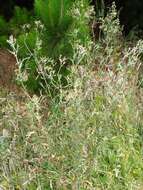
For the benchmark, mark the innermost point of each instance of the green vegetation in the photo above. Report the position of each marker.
(84, 130)
(14, 25)
(61, 26)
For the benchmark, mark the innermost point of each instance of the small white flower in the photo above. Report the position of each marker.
(5, 133)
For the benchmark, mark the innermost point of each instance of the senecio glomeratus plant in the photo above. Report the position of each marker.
(51, 39)
(91, 138)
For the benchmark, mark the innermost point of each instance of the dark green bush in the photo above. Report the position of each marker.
(61, 26)
(14, 26)
(58, 21)
(3, 32)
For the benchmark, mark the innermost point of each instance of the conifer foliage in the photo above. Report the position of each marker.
(63, 26)
(57, 20)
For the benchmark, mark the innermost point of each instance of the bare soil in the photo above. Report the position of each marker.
(7, 70)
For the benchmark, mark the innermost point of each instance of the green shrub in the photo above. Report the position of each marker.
(14, 26)
(3, 26)
(20, 17)
(58, 33)
(64, 22)
(4, 31)
(57, 21)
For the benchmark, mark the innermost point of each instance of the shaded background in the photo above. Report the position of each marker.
(131, 11)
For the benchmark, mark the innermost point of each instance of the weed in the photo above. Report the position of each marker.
(91, 138)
